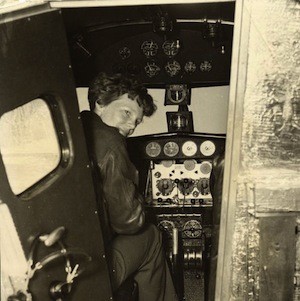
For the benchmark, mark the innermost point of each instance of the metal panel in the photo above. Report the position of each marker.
(277, 257)
(34, 62)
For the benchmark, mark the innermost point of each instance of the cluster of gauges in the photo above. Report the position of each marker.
(172, 67)
(150, 49)
(191, 228)
(189, 148)
(170, 48)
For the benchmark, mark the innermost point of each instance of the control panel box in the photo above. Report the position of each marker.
(179, 184)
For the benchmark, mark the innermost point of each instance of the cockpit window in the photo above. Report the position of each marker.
(28, 144)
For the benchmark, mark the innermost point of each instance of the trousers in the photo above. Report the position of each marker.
(142, 256)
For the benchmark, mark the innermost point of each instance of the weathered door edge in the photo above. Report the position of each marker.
(233, 148)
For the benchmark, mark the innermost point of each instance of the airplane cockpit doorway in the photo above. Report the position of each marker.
(182, 53)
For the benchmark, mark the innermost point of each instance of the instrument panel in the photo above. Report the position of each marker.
(180, 184)
(175, 179)
(179, 168)
(182, 148)
(153, 58)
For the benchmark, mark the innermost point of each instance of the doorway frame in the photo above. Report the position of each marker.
(234, 124)
(234, 121)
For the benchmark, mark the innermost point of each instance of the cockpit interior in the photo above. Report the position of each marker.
(52, 235)
(182, 54)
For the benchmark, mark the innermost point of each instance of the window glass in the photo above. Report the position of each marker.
(28, 144)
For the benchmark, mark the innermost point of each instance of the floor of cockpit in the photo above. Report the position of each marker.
(193, 286)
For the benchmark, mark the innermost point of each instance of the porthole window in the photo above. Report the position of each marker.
(29, 145)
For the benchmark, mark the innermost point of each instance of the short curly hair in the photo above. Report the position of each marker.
(104, 89)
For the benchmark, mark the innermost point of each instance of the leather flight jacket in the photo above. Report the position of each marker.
(115, 177)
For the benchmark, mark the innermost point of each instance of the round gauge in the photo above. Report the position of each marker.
(167, 163)
(149, 48)
(151, 69)
(205, 66)
(190, 164)
(165, 186)
(189, 148)
(176, 94)
(186, 186)
(192, 228)
(173, 68)
(153, 149)
(171, 149)
(124, 52)
(166, 227)
(171, 47)
(190, 67)
(207, 148)
(205, 167)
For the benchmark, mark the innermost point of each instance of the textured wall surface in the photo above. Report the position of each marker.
(269, 177)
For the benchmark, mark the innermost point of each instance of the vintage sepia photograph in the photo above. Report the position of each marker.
(150, 150)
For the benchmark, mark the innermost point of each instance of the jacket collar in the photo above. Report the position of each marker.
(103, 125)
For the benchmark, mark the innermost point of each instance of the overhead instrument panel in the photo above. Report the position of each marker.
(160, 60)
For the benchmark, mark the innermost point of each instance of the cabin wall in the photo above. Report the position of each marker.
(209, 106)
(264, 260)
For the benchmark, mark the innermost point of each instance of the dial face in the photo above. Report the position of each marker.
(173, 68)
(175, 94)
(151, 69)
(205, 167)
(192, 229)
(166, 226)
(171, 149)
(190, 67)
(207, 148)
(149, 48)
(205, 66)
(170, 47)
(189, 148)
(153, 149)
(124, 52)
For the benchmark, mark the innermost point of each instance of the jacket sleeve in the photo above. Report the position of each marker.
(123, 201)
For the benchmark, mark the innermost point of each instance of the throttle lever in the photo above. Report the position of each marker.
(52, 238)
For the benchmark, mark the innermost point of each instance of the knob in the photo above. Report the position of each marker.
(59, 290)
(165, 184)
